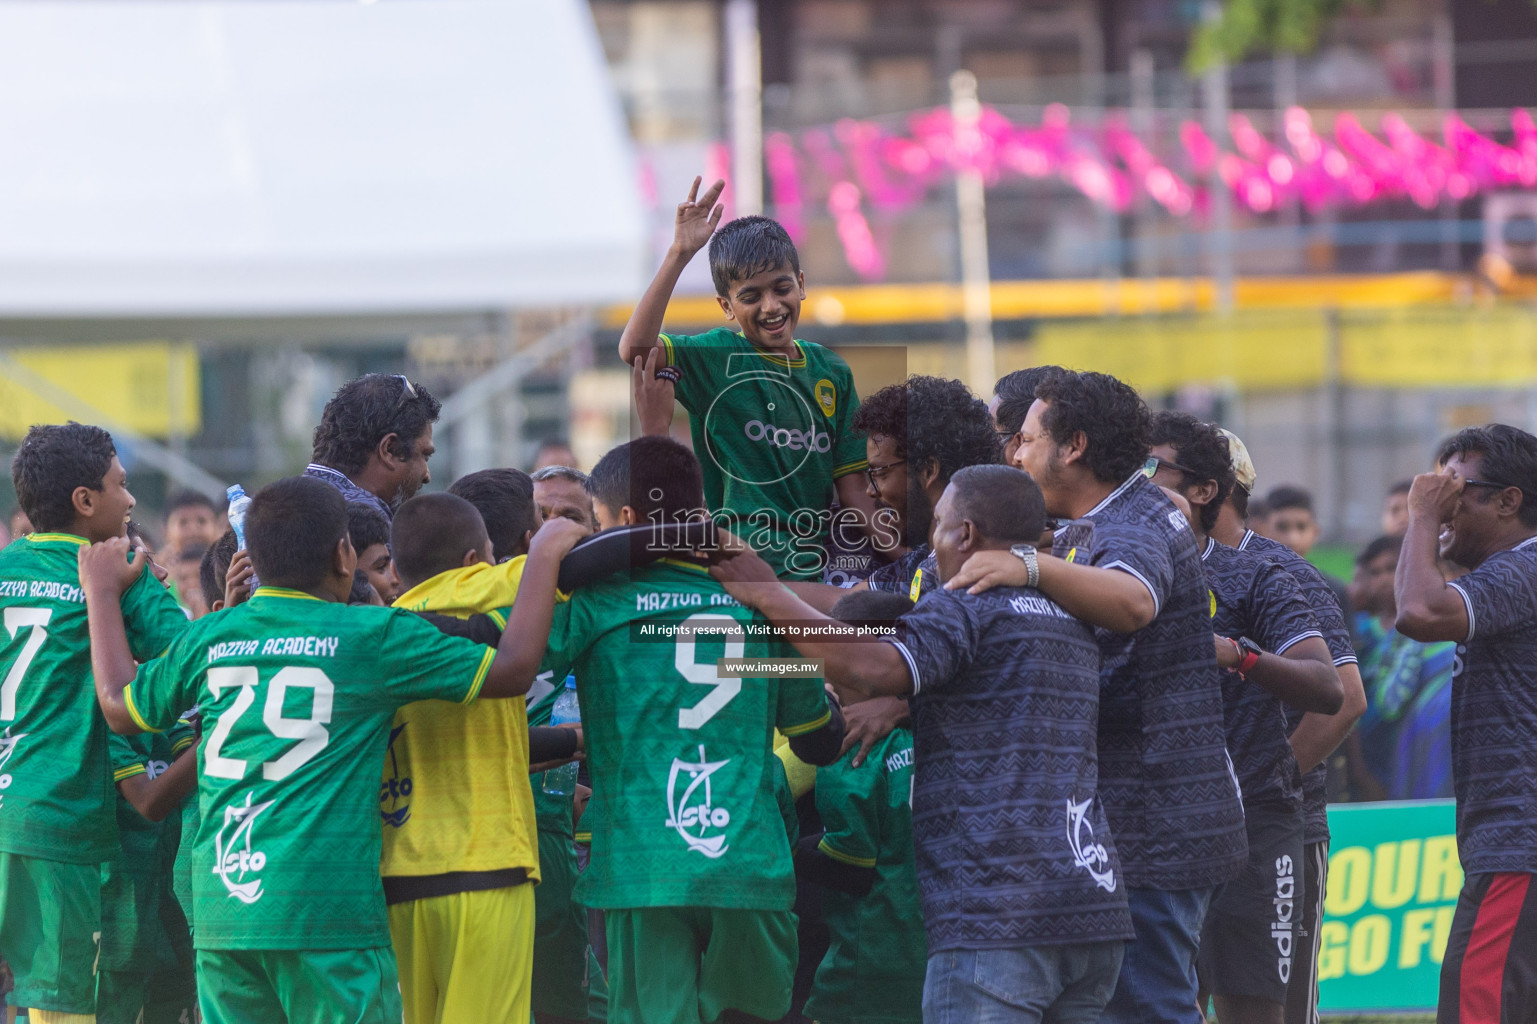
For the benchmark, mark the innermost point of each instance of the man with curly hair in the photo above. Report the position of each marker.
(374, 440)
(1164, 773)
(918, 434)
(1012, 397)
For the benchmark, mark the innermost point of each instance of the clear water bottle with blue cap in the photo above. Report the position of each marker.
(239, 503)
(562, 781)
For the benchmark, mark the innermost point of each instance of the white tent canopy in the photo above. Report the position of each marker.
(310, 156)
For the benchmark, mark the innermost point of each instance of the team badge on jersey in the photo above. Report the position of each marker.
(1087, 854)
(827, 397)
(394, 789)
(691, 813)
(234, 857)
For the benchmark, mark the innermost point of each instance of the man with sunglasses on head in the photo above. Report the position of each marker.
(374, 440)
(1164, 774)
(1480, 511)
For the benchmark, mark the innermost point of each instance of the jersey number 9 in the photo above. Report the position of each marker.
(707, 674)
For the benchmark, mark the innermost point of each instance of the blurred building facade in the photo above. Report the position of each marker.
(1390, 283)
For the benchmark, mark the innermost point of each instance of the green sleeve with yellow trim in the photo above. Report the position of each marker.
(181, 735)
(426, 665)
(701, 361)
(128, 759)
(851, 802)
(166, 686)
(802, 706)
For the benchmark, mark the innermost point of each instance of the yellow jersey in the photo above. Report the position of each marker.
(455, 794)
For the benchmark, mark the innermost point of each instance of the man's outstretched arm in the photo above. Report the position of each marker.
(1107, 598)
(521, 648)
(857, 671)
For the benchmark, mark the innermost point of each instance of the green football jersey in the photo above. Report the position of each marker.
(297, 697)
(684, 810)
(56, 796)
(873, 970)
(142, 926)
(771, 435)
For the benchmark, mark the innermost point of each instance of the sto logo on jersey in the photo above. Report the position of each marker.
(394, 805)
(692, 813)
(1087, 854)
(7, 748)
(234, 858)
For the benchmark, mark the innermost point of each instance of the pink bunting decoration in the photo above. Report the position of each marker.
(858, 162)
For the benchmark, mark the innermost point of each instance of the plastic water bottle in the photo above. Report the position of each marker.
(562, 781)
(239, 502)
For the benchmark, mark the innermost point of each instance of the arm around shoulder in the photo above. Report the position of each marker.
(523, 642)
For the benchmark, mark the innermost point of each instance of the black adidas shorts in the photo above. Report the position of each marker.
(1249, 942)
(1489, 975)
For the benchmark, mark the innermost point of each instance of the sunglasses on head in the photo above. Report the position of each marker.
(407, 391)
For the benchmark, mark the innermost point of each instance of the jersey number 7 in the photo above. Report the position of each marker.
(15, 619)
(310, 732)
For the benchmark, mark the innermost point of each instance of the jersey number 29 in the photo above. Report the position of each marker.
(310, 732)
(707, 674)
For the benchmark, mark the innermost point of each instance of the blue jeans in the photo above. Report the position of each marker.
(1032, 985)
(1158, 976)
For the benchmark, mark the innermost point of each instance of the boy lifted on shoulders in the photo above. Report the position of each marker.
(772, 417)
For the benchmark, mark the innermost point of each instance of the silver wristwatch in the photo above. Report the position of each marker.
(1026, 553)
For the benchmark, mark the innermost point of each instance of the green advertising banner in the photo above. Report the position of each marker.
(1393, 884)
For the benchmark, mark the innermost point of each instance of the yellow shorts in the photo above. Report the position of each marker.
(466, 957)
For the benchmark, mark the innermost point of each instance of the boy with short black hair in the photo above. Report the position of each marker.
(369, 532)
(690, 905)
(1292, 521)
(190, 518)
(505, 500)
(772, 417)
(57, 808)
(291, 915)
